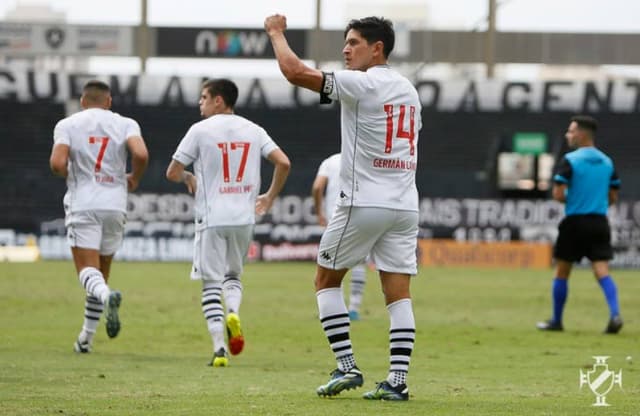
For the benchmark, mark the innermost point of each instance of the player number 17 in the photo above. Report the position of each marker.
(224, 148)
(401, 133)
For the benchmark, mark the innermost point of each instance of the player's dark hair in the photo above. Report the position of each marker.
(96, 91)
(586, 123)
(375, 29)
(223, 87)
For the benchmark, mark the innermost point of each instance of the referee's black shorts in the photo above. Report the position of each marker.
(583, 236)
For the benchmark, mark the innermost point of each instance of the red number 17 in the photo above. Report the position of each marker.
(401, 133)
(104, 141)
(224, 148)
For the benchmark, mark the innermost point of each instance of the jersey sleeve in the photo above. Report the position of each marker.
(61, 133)
(187, 151)
(563, 172)
(267, 145)
(346, 85)
(132, 128)
(323, 170)
(615, 180)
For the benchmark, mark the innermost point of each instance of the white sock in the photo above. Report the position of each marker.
(334, 318)
(92, 310)
(213, 313)
(402, 335)
(93, 282)
(232, 291)
(358, 280)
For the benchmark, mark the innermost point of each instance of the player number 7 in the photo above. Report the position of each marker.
(224, 148)
(401, 133)
(104, 141)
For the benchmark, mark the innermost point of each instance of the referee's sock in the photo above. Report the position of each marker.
(611, 294)
(559, 294)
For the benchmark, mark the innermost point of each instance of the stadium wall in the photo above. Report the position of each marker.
(464, 125)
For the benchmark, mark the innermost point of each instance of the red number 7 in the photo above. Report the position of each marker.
(401, 133)
(104, 141)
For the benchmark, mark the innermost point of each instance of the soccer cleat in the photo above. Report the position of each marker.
(234, 333)
(113, 321)
(354, 316)
(341, 381)
(614, 325)
(220, 359)
(82, 347)
(385, 391)
(550, 325)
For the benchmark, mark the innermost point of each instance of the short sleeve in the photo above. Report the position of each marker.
(267, 145)
(324, 169)
(615, 180)
(132, 128)
(348, 84)
(563, 172)
(187, 151)
(61, 133)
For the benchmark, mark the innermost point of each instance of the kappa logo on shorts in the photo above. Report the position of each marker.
(325, 256)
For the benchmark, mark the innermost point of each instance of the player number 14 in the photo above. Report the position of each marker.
(401, 133)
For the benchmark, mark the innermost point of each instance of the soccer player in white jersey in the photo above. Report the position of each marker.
(90, 151)
(327, 182)
(226, 151)
(378, 205)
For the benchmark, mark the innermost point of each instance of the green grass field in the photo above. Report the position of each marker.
(477, 350)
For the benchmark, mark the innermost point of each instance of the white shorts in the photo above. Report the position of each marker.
(96, 230)
(220, 251)
(389, 235)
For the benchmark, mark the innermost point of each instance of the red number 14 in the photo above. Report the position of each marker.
(401, 132)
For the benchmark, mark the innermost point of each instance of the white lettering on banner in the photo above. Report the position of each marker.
(160, 207)
(617, 96)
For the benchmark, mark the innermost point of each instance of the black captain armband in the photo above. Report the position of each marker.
(328, 82)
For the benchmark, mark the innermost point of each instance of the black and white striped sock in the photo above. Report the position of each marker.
(358, 280)
(335, 323)
(93, 282)
(232, 291)
(92, 311)
(402, 335)
(213, 313)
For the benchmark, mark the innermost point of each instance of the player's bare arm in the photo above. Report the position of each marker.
(317, 192)
(613, 196)
(139, 161)
(558, 192)
(294, 70)
(59, 159)
(177, 174)
(282, 166)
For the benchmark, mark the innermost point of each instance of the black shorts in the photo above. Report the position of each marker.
(583, 236)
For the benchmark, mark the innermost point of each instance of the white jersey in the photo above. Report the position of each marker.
(380, 124)
(97, 141)
(226, 151)
(330, 168)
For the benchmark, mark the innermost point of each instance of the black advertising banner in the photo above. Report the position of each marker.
(222, 43)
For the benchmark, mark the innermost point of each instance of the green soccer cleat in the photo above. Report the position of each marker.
(341, 381)
(234, 333)
(113, 321)
(385, 391)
